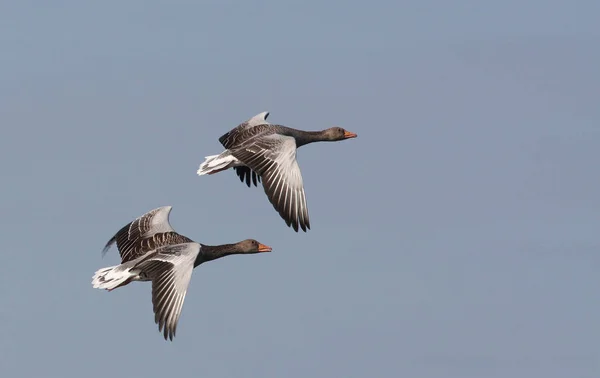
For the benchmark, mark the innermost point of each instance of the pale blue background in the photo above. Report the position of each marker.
(458, 236)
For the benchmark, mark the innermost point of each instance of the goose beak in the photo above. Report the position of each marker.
(348, 135)
(264, 248)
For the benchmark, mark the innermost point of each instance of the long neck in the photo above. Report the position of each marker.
(305, 137)
(212, 252)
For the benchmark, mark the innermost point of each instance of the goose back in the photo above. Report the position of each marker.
(236, 135)
(242, 135)
(144, 234)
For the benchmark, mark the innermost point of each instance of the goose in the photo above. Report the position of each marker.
(151, 250)
(263, 152)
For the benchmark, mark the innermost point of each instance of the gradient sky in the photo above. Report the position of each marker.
(457, 236)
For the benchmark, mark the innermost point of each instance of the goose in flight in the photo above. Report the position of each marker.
(265, 152)
(151, 250)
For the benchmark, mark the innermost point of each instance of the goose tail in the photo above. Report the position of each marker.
(216, 163)
(111, 277)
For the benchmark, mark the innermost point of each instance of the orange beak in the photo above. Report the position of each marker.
(264, 248)
(348, 135)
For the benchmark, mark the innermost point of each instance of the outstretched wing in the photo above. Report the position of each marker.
(244, 130)
(170, 269)
(133, 240)
(273, 157)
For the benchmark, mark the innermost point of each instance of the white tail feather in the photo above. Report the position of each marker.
(111, 277)
(216, 163)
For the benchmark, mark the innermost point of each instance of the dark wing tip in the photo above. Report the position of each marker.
(305, 226)
(163, 327)
(297, 224)
(303, 223)
(108, 245)
(306, 223)
(247, 175)
(168, 334)
(254, 177)
(239, 171)
(223, 137)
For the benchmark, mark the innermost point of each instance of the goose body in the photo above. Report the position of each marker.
(151, 250)
(263, 152)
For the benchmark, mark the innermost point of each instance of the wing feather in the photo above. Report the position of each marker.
(170, 269)
(273, 157)
(145, 233)
(244, 130)
(245, 174)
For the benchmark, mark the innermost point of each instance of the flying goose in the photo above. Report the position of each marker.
(266, 153)
(151, 250)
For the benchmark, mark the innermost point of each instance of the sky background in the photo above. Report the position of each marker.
(457, 236)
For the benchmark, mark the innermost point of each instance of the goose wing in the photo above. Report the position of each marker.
(245, 174)
(170, 269)
(244, 130)
(133, 240)
(273, 157)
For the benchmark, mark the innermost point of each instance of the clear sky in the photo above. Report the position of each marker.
(457, 236)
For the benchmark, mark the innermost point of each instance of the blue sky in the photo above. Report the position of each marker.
(456, 236)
